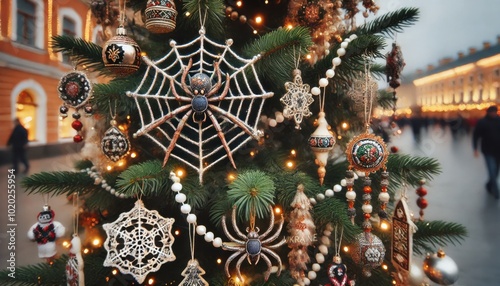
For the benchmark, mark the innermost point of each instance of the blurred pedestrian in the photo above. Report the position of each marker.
(19, 141)
(487, 131)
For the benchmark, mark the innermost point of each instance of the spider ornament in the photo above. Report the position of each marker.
(252, 246)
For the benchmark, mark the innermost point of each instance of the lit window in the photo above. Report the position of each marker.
(26, 112)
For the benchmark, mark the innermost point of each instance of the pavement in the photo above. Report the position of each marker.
(457, 195)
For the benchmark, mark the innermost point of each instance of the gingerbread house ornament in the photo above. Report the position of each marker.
(402, 241)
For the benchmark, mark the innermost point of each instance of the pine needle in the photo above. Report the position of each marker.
(432, 235)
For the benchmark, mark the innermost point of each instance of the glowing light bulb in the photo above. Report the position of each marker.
(187, 14)
(293, 152)
(96, 242)
(252, 153)
(219, 261)
(289, 26)
(121, 163)
(133, 155)
(384, 266)
(345, 125)
(86, 250)
(177, 232)
(346, 249)
(384, 225)
(308, 56)
(151, 281)
(289, 164)
(258, 19)
(255, 32)
(109, 168)
(114, 271)
(180, 173)
(277, 210)
(231, 177)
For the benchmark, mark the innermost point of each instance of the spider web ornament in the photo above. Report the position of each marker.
(192, 275)
(297, 99)
(139, 242)
(200, 123)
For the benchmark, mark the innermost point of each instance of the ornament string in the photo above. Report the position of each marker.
(76, 206)
(337, 246)
(192, 239)
(203, 18)
(121, 6)
(368, 95)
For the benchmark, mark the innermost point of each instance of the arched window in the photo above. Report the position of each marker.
(70, 24)
(26, 112)
(68, 29)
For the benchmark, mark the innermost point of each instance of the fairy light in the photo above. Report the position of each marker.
(255, 32)
(50, 20)
(385, 267)
(266, 2)
(179, 173)
(394, 282)
(339, 137)
(345, 125)
(151, 281)
(96, 242)
(114, 271)
(65, 244)
(289, 26)
(252, 153)
(293, 152)
(177, 232)
(121, 163)
(258, 20)
(88, 26)
(346, 249)
(239, 3)
(109, 167)
(308, 56)
(384, 225)
(128, 116)
(187, 14)
(290, 164)
(133, 155)
(219, 261)
(86, 250)
(277, 210)
(231, 177)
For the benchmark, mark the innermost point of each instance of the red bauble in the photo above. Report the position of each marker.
(77, 138)
(422, 203)
(421, 191)
(77, 125)
(394, 149)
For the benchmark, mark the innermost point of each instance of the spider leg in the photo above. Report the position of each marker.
(238, 265)
(224, 92)
(177, 133)
(275, 256)
(162, 120)
(228, 234)
(184, 75)
(221, 137)
(216, 87)
(271, 224)
(280, 243)
(276, 234)
(235, 225)
(235, 120)
(269, 266)
(229, 260)
(176, 95)
(256, 260)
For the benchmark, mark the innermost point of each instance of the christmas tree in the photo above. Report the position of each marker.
(204, 115)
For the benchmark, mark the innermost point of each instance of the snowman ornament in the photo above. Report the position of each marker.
(45, 232)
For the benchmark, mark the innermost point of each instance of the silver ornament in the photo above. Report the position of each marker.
(416, 277)
(440, 268)
(115, 144)
(369, 252)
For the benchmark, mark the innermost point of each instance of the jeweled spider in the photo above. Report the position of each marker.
(252, 246)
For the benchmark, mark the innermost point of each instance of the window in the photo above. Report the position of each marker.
(497, 72)
(26, 112)
(68, 29)
(26, 18)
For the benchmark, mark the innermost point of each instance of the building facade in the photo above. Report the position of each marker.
(31, 70)
(464, 86)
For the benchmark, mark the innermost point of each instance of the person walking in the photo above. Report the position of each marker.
(19, 141)
(487, 131)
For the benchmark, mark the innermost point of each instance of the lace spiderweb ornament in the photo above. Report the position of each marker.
(205, 120)
(139, 242)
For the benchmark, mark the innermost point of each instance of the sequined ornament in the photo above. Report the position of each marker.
(121, 54)
(139, 242)
(367, 153)
(74, 89)
(358, 91)
(75, 275)
(441, 268)
(321, 142)
(192, 275)
(369, 252)
(115, 145)
(160, 16)
(297, 99)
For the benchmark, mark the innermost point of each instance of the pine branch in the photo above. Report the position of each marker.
(86, 54)
(334, 211)
(147, 178)
(58, 183)
(432, 235)
(385, 99)
(278, 51)
(390, 23)
(214, 11)
(411, 169)
(252, 191)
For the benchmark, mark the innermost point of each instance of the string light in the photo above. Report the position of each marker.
(258, 19)
(231, 177)
(255, 32)
(345, 125)
(187, 14)
(179, 173)
(109, 168)
(121, 163)
(384, 266)
(65, 244)
(114, 271)
(252, 153)
(239, 3)
(277, 210)
(384, 225)
(133, 155)
(346, 249)
(151, 281)
(177, 232)
(86, 250)
(293, 152)
(289, 164)
(96, 242)
(219, 261)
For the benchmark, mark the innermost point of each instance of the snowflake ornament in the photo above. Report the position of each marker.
(205, 120)
(297, 99)
(139, 242)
